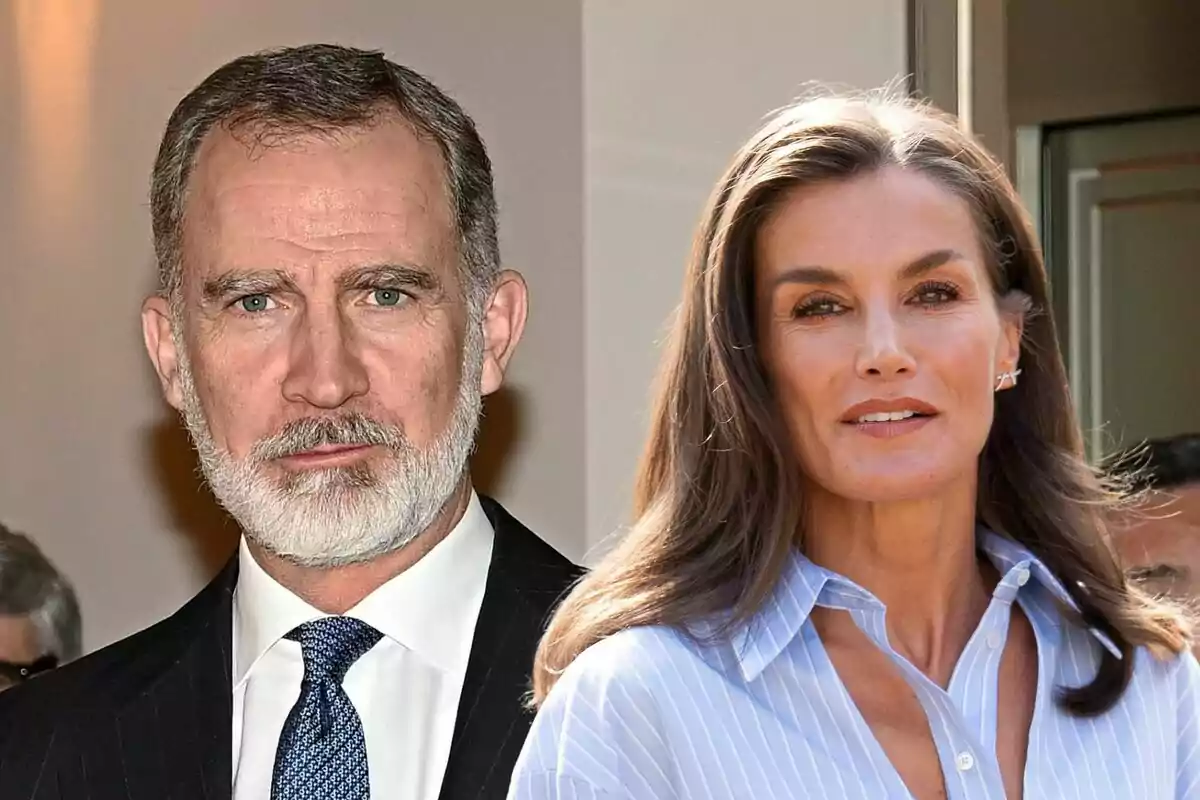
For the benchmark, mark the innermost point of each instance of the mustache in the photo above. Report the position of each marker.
(306, 434)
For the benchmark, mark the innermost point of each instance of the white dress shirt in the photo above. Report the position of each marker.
(406, 689)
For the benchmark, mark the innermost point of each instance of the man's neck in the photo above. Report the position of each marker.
(335, 590)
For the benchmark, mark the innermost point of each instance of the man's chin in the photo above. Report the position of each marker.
(333, 525)
(314, 538)
(339, 483)
(327, 558)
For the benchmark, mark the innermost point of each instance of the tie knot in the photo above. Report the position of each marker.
(332, 644)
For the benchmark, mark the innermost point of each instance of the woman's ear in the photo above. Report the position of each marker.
(1014, 310)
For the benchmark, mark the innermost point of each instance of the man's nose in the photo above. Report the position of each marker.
(326, 370)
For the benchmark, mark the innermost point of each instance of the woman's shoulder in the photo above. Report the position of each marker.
(1163, 679)
(1161, 666)
(641, 659)
(639, 671)
(1175, 671)
(1165, 692)
(602, 724)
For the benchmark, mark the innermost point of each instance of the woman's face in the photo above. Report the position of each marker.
(881, 334)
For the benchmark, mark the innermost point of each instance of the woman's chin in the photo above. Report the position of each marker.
(897, 486)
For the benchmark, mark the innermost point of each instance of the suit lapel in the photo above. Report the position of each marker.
(490, 724)
(525, 579)
(146, 718)
(179, 729)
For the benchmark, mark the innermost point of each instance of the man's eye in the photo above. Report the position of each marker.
(387, 297)
(255, 303)
(1157, 572)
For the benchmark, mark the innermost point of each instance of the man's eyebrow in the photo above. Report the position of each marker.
(238, 283)
(824, 276)
(390, 275)
(1161, 570)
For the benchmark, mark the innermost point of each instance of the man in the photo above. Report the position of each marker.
(1160, 541)
(40, 625)
(332, 310)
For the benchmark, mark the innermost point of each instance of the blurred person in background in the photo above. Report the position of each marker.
(1159, 539)
(40, 623)
(332, 311)
(869, 558)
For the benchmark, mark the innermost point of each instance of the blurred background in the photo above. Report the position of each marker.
(608, 122)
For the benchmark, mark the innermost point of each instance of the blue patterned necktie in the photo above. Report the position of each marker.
(322, 752)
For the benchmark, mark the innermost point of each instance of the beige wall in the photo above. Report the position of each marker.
(661, 92)
(82, 426)
(672, 88)
(1076, 59)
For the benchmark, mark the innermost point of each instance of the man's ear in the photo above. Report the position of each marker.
(503, 323)
(157, 329)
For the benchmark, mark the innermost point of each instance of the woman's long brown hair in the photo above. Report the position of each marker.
(718, 502)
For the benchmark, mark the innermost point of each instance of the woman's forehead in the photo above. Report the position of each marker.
(882, 220)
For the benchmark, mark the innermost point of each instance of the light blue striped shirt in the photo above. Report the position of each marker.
(651, 713)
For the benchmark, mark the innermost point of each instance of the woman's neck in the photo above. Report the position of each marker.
(918, 558)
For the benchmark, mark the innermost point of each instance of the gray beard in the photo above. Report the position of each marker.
(340, 515)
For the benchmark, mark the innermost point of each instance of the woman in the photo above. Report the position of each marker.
(869, 560)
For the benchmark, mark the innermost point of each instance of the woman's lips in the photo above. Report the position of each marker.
(891, 428)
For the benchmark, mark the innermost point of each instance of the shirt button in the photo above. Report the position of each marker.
(965, 761)
(994, 639)
(1022, 576)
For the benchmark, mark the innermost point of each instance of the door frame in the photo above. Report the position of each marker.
(1072, 258)
(958, 60)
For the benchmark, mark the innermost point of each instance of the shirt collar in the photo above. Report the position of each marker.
(431, 608)
(804, 584)
(1013, 560)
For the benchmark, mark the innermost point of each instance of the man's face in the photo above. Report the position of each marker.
(18, 643)
(322, 348)
(1161, 543)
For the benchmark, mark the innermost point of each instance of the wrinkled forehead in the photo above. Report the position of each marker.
(1165, 526)
(266, 203)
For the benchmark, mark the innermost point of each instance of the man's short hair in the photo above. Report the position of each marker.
(1160, 463)
(323, 89)
(31, 587)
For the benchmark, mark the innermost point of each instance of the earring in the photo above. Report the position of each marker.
(1011, 377)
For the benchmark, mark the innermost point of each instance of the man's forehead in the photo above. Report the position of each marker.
(1168, 521)
(310, 198)
(390, 136)
(17, 629)
(380, 166)
(308, 212)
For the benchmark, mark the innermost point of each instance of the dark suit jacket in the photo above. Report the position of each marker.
(149, 718)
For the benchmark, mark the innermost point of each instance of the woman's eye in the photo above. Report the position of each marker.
(932, 294)
(824, 307)
(255, 303)
(387, 297)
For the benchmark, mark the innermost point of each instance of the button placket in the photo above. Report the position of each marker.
(953, 733)
(978, 669)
